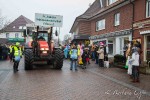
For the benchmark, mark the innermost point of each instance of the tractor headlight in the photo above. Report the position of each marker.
(44, 52)
(42, 49)
(46, 48)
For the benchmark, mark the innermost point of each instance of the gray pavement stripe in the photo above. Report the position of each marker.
(1, 72)
(3, 75)
(122, 83)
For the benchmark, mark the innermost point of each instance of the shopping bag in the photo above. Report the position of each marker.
(126, 66)
(17, 58)
(80, 61)
(106, 64)
(129, 69)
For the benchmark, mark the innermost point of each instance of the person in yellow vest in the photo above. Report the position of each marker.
(17, 55)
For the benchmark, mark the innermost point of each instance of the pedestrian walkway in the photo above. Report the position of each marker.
(93, 83)
(121, 75)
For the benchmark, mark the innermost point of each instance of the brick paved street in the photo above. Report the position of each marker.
(93, 83)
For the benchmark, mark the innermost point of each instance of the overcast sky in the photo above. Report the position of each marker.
(69, 9)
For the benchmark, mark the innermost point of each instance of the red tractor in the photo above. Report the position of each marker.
(42, 49)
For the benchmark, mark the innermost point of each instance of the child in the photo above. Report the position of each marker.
(87, 55)
(73, 56)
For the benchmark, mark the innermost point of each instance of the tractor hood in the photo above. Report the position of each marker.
(43, 44)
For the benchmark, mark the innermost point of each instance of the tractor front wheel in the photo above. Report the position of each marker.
(58, 61)
(28, 60)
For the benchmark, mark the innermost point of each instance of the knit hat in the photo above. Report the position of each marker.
(101, 43)
(17, 43)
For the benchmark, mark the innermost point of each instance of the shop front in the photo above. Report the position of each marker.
(115, 41)
(146, 35)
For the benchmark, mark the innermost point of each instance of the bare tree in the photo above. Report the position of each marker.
(67, 37)
(3, 23)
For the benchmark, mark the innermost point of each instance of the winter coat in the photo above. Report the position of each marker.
(135, 59)
(101, 53)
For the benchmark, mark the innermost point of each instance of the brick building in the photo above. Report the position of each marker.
(115, 22)
(142, 26)
(108, 21)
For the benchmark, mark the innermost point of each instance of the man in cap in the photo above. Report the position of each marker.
(17, 55)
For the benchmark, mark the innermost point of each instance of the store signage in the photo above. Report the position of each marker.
(141, 24)
(145, 32)
(48, 20)
(113, 34)
(16, 39)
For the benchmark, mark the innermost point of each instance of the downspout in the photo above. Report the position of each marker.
(133, 10)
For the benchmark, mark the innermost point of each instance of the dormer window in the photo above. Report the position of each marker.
(101, 3)
(13, 26)
(109, 2)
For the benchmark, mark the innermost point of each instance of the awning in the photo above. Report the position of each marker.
(15, 40)
(145, 32)
(81, 37)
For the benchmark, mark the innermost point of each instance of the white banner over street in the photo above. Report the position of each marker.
(48, 20)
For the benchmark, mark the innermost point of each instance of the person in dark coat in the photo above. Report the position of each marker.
(96, 54)
(84, 58)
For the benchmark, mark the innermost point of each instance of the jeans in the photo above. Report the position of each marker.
(135, 72)
(96, 60)
(73, 62)
(93, 55)
(15, 66)
(101, 63)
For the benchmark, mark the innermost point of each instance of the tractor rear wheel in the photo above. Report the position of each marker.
(58, 62)
(28, 60)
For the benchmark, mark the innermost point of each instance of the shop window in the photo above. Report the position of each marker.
(110, 47)
(100, 25)
(7, 35)
(148, 48)
(121, 45)
(16, 35)
(117, 19)
(148, 8)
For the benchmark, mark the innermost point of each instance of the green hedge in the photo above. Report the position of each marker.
(119, 58)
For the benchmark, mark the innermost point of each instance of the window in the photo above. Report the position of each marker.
(14, 27)
(111, 1)
(110, 47)
(121, 46)
(20, 27)
(148, 8)
(148, 48)
(16, 35)
(100, 25)
(7, 35)
(117, 19)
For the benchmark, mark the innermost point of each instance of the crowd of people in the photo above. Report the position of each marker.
(81, 55)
